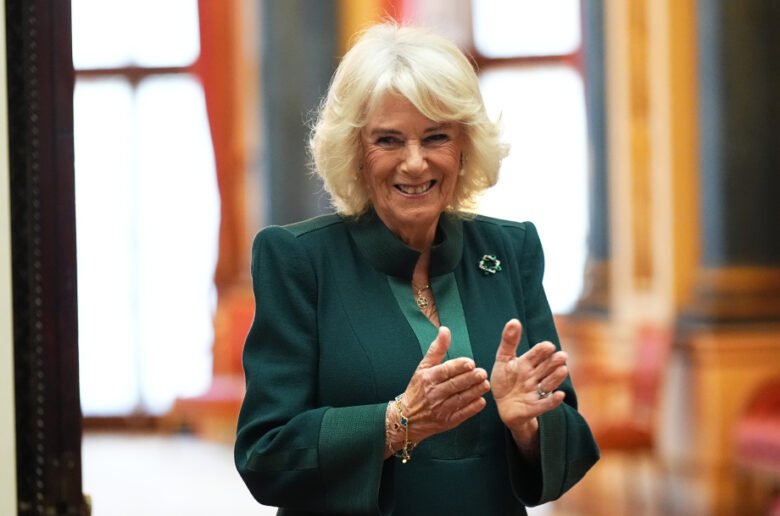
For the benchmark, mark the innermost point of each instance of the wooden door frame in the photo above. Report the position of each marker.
(43, 249)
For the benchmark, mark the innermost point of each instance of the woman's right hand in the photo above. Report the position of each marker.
(441, 395)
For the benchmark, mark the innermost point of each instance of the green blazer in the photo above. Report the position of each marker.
(336, 335)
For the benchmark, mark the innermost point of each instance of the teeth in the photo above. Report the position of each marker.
(412, 190)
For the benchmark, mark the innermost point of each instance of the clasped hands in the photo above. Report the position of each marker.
(443, 394)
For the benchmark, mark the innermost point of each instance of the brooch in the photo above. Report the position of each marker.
(489, 264)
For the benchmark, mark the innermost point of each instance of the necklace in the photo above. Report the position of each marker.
(421, 300)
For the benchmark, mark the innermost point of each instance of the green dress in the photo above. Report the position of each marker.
(336, 335)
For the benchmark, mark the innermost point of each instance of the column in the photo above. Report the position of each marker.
(739, 116)
(299, 41)
(595, 296)
(728, 343)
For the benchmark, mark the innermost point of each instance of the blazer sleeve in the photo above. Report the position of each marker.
(567, 447)
(289, 451)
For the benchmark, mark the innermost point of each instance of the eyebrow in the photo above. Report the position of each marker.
(438, 127)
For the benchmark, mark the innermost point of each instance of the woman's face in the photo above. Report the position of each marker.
(410, 167)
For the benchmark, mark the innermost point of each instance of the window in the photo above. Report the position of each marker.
(147, 206)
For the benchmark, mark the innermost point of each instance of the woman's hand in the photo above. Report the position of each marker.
(524, 386)
(441, 395)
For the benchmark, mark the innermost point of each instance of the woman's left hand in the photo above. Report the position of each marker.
(524, 386)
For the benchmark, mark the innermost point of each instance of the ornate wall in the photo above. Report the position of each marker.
(692, 93)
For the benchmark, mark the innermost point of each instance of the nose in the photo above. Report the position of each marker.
(414, 161)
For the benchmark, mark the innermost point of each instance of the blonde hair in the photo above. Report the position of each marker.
(430, 72)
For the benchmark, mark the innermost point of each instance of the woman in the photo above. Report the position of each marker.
(382, 365)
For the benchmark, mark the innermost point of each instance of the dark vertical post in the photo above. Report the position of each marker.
(739, 46)
(43, 247)
(299, 42)
(739, 120)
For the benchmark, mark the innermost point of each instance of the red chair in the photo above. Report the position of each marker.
(757, 445)
(621, 407)
(632, 428)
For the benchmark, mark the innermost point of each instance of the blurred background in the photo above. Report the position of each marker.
(645, 147)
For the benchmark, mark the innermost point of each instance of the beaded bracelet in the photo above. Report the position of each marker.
(405, 453)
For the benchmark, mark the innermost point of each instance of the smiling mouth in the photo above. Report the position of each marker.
(416, 189)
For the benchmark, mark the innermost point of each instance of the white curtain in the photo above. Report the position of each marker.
(147, 208)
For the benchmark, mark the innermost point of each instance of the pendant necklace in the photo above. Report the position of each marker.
(421, 300)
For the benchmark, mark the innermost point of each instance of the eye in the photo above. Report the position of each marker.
(388, 141)
(437, 138)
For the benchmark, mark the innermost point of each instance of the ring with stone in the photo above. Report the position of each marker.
(542, 393)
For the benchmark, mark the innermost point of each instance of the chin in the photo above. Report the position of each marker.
(420, 217)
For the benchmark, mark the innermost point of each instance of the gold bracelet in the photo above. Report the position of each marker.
(405, 453)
